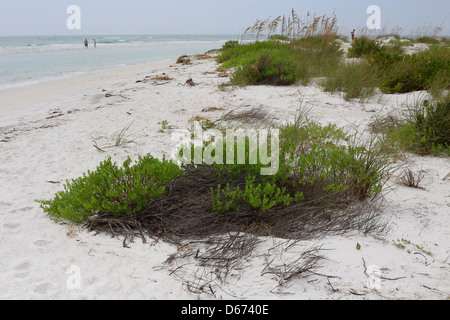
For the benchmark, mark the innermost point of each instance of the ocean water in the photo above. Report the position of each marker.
(26, 61)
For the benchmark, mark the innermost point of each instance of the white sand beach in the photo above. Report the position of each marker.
(47, 135)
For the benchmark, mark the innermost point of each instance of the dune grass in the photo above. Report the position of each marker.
(312, 52)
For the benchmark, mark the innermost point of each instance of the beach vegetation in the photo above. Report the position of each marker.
(278, 37)
(112, 189)
(165, 126)
(119, 139)
(417, 71)
(364, 46)
(424, 129)
(324, 165)
(230, 44)
(354, 79)
(309, 50)
(280, 63)
(328, 182)
(412, 179)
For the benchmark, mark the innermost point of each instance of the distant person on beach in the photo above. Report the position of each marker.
(86, 43)
(353, 35)
(95, 43)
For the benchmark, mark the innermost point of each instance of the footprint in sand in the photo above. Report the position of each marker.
(22, 270)
(41, 243)
(6, 204)
(43, 288)
(25, 209)
(11, 226)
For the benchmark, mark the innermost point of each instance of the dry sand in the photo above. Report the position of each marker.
(47, 135)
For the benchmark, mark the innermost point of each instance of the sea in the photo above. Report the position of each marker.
(26, 61)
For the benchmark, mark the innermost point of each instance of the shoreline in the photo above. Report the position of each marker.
(16, 101)
(51, 137)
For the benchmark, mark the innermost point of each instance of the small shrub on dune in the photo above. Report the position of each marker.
(425, 129)
(329, 163)
(230, 45)
(272, 68)
(278, 37)
(355, 80)
(364, 47)
(417, 71)
(241, 54)
(112, 189)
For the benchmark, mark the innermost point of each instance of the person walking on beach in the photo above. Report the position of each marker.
(95, 43)
(353, 35)
(86, 43)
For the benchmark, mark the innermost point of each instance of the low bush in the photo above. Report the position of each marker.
(417, 71)
(278, 37)
(425, 129)
(427, 40)
(112, 189)
(319, 166)
(355, 80)
(249, 53)
(276, 67)
(230, 44)
(275, 63)
(329, 163)
(364, 47)
(261, 197)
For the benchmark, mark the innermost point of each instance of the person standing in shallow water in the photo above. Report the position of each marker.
(95, 43)
(86, 43)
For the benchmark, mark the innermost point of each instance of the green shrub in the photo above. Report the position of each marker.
(275, 63)
(272, 68)
(364, 47)
(262, 197)
(278, 37)
(230, 44)
(425, 130)
(354, 79)
(323, 161)
(427, 40)
(317, 163)
(384, 60)
(417, 71)
(243, 54)
(111, 189)
(402, 42)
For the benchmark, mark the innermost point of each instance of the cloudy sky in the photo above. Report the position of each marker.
(103, 17)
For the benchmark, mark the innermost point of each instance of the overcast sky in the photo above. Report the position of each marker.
(103, 17)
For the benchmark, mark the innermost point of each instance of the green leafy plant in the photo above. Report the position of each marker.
(259, 196)
(230, 44)
(278, 37)
(425, 129)
(326, 161)
(417, 71)
(272, 68)
(363, 47)
(165, 126)
(353, 79)
(112, 189)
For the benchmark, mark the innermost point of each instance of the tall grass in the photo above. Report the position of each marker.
(355, 80)
(293, 27)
